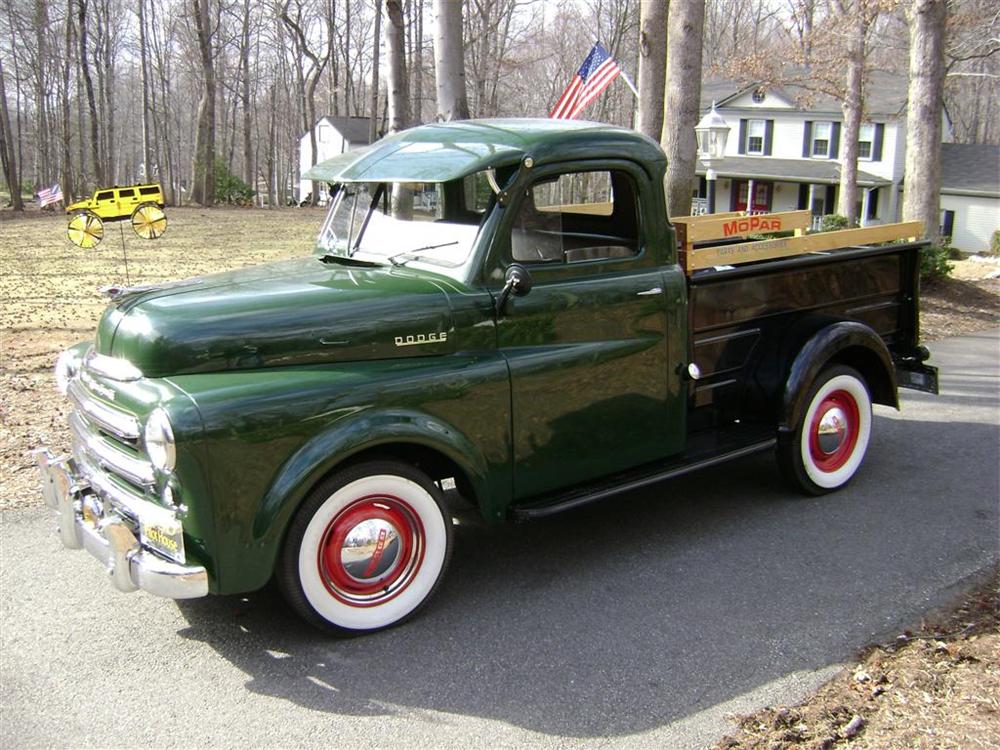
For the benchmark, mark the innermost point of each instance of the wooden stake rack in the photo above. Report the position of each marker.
(699, 230)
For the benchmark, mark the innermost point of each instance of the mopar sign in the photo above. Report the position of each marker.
(751, 224)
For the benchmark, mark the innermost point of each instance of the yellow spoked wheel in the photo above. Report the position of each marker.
(85, 229)
(149, 221)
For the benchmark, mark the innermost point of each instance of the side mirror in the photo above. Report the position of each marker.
(517, 283)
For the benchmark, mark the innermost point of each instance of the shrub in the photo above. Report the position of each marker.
(229, 188)
(995, 243)
(934, 260)
(832, 222)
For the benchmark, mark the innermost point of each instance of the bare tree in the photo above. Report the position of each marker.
(95, 138)
(449, 63)
(652, 66)
(203, 185)
(922, 194)
(373, 106)
(399, 109)
(10, 171)
(682, 101)
(308, 78)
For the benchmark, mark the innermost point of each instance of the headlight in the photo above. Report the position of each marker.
(66, 367)
(159, 439)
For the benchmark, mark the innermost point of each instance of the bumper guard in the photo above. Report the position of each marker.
(111, 541)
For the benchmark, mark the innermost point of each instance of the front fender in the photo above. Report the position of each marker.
(367, 430)
(849, 342)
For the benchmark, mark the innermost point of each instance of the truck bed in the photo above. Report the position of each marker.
(739, 316)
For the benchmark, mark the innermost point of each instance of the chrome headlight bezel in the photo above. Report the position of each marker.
(158, 439)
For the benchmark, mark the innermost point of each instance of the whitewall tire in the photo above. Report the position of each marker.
(367, 548)
(831, 439)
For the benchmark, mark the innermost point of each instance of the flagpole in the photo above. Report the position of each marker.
(631, 85)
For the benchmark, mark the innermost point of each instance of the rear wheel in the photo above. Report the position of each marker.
(149, 221)
(367, 548)
(831, 439)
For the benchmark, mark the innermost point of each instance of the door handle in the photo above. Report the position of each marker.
(650, 292)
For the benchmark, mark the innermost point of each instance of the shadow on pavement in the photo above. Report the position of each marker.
(648, 607)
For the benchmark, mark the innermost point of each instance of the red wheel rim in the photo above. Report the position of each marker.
(371, 550)
(833, 433)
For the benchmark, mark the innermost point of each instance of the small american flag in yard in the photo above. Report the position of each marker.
(595, 75)
(49, 195)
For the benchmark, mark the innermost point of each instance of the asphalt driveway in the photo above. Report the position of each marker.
(638, 622)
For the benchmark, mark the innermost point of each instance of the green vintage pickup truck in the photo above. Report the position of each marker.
(496, 309)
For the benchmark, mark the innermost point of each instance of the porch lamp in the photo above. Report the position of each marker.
(712, 132)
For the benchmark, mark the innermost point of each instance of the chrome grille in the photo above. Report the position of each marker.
(107, 450)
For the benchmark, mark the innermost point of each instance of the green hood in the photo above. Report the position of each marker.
(299, 312)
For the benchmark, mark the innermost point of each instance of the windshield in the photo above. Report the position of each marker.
(400, 222)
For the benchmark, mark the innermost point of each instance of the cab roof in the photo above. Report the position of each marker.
(441, 152)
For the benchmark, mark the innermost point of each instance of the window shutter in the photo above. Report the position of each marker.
(743, 137)
(835, 141)
(768, 136)
(877, 141)
(831, 199)
(807, 140)
(803, 196)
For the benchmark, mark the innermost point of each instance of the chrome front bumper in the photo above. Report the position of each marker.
(110, 539)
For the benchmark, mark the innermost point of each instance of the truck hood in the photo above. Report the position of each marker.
(299, 312)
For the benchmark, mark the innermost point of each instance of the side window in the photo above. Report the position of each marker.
(106, 195)
(126, 193)
(576, 217)
(149, 191)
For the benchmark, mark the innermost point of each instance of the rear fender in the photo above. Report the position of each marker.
(845, 342)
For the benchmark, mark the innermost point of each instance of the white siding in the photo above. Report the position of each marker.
(333, 144)
(976, 218)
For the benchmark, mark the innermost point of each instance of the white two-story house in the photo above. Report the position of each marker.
(334, 135)
(784, 147)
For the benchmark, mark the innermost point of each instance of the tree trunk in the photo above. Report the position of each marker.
(682, 101)
(399, 110)
(853, 106)
(922, 190)
(449, 62)
(7, 148)
(203, 186)
(652, 66)
(66, 129)
(249, 171)
(373, 111)
(95, 136)
(147, 151)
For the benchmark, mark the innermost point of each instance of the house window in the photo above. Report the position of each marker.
(822, 134)
(759, 94)
(755, 137)
(865, 139)
(324, 133)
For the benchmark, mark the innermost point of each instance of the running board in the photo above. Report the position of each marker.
(632, 481)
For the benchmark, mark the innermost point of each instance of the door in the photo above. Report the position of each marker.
(128, 199)
(593, 387)
(761, 196)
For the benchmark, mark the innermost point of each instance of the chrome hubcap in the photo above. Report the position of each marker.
(371, 550)
(832, 430)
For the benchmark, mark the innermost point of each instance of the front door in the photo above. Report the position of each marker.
(761, 195)
(591, 360)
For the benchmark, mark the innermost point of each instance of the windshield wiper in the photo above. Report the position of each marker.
(411, 254)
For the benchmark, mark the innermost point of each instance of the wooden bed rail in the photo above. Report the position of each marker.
(702, 229)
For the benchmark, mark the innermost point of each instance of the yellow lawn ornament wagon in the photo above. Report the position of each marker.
(142, 204)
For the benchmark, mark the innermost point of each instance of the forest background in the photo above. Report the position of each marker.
(210, 97)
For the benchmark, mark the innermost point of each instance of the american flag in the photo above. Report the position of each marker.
(49, 195)
(595, 75)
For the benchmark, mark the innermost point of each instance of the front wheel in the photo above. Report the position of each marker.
(830, 441)
(367, 549)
